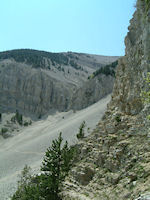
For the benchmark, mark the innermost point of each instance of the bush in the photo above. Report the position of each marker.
(107, 70)
(26, 123)
(4, 130)
(81, 133)
(118, 118)
(19, 118)
(27, 189)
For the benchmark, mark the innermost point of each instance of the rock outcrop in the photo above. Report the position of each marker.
(118, 151)
(92, 91)
(37, 83)
(133, 67)
(31, 91)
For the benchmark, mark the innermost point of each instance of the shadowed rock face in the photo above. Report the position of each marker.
(53, 86)
(133, 67)
(92, 91)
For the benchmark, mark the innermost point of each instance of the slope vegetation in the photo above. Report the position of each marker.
(29, 145)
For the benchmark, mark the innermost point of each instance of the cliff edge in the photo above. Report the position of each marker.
(114, 161)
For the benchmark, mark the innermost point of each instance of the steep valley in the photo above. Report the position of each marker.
(30, 144)
(37, 83)
(113, 161)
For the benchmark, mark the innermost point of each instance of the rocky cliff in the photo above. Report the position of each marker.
(37, 82)
(98, 85)
(134, 66)
(31, 91)
(114, 161)
(92, 91)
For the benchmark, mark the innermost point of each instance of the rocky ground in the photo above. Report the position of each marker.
(114, 161)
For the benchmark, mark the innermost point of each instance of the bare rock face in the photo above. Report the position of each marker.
(133, 67)
(120, 144)
(31, 91)
(92, 91)
(36, 83)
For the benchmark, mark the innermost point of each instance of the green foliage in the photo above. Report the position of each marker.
(147, 5)
(56, 164)
(46, 186)
(81, 133)
(148, 117)
(26, 123)
(107, 70)
(4, 130)
(118, 118)
(41, 59)
(34, 57)
(19, 117)
(27, 189)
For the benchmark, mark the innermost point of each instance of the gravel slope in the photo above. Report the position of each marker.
(29, 146)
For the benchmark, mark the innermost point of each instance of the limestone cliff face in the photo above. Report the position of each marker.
(114, 161)
(92, 91)
(31, 91)
(37, 83)
(135, 64)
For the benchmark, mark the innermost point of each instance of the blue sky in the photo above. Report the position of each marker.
(89, 26)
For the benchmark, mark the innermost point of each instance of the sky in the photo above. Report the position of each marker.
(87, 26)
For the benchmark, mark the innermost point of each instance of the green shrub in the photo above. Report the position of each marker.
(118, 118)
(13, 119)
(81, 133)
(107, 70)
(26, 123)
(19, 117)
(4, 130)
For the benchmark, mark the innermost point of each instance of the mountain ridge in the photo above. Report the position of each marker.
(36, 85)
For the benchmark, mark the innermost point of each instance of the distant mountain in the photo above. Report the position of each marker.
(38, 58)
(38, 82)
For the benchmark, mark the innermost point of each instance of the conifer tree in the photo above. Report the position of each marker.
(56, 164)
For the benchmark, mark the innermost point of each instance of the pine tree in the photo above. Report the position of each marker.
(56, 164)
(47, 186)
(81, 133)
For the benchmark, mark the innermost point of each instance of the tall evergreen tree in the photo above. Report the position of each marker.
(56, 164)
